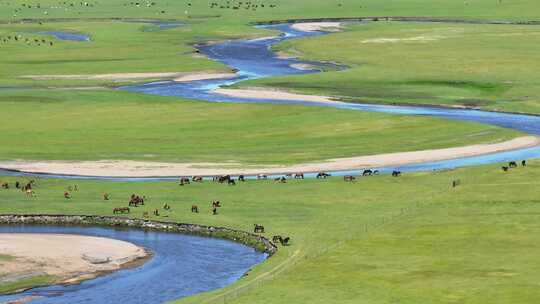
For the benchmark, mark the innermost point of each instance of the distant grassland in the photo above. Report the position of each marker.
(93, 125)
(493, 67)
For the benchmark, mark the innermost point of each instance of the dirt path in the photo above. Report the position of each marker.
(128, 168)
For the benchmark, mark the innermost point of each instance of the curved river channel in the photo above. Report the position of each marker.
(181, 266)
(255, 59)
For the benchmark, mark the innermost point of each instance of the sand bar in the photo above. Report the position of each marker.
(70, 258)
(261, 93)
(128, 168)
(317, 26)
(178, 76)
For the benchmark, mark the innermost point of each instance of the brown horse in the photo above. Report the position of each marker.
(121, 210)
(299, 175)
(194, 209)
(349, 178)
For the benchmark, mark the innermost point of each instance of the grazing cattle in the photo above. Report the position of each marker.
(396, 173)
(504, 168)
(258, 228)
(299, 175)
(241, 178)
(367, 173)
(512, 164)
(349, 178)
(284, 241)
(166, 207)
(524, 163)
(121, 210)
(323, 175)
(231, 182)
(197, 179)
(67, 195)
(216, 204)
(262, 176)
(194, 209)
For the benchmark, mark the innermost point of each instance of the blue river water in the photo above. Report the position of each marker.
(68, 36)
(181, 265)
(254, 59)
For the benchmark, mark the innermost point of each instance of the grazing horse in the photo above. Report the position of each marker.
(121, 210)
(231, 182)
(136, 200)
(367, 173)
(299, 176)
(5, 185)
(258, 228)
(349, 178)
(241, 178)
(284, 241)
(504, 168)
(512, 164)
(323, 175)
(396, 173)
(67, 195)
(262, 176)
(194, 209)
(156, 212)
(224, 178)
(524, 163)
(166, 206)
(17, 185)
(197, 179)
(282, 179)
(184, 181)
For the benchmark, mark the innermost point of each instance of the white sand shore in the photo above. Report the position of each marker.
(179, 76)
(317, 26)
(70, 258)
(263, 93)
(121, 168)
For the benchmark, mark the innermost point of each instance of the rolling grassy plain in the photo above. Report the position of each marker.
(94, 125)
(486, 66)
(380, 240)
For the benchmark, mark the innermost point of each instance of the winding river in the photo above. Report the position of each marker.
(185, 265)
(181, 266)
(254, 59)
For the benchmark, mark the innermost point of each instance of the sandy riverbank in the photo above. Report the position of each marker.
(69, 258)
(128, 168)
(177, 76)
(317, 26)
(264, 93)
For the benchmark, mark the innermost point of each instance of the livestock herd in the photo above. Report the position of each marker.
(136, 200)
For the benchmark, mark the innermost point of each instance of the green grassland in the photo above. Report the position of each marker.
(94, 125)
(40, 280)
(380, 240)
(488, 66)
